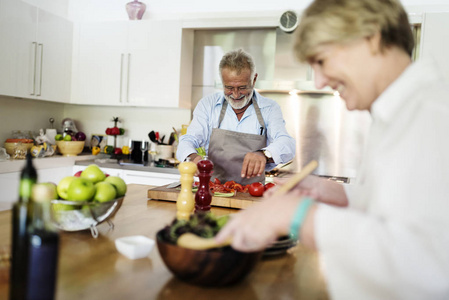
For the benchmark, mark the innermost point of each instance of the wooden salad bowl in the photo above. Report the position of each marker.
(213, 267)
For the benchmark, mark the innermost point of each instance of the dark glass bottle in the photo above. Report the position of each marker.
(43, 246)
(20, 222)
(203, 196)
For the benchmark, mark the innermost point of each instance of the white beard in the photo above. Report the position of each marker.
(239, 103)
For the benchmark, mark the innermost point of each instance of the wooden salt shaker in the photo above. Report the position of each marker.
(203, 196)
(186, 202)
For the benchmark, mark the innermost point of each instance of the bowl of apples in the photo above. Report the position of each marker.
(87, 199)
(70, 145)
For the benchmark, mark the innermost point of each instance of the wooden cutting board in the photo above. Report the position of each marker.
(241, 200)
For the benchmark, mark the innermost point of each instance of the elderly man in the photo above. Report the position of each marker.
(243, 133)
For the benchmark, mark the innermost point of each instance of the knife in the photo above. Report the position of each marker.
(174, 184)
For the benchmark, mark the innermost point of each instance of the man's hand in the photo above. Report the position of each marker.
(253, 164)
(195, 158)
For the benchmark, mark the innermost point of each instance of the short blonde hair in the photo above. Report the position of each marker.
(342, 21)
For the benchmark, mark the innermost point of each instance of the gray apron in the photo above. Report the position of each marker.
(227, 149)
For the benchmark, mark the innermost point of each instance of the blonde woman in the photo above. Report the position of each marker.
(386, 235)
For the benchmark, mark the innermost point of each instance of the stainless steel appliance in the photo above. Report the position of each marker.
(68, 127)
(138, 153)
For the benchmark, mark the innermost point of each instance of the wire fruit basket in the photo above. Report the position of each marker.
(76, 216)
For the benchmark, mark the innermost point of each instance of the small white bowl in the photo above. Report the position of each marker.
(134, 247)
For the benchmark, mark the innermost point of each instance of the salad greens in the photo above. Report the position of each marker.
(203, 224)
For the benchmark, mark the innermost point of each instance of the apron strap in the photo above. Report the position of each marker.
(222, 113)
(258, 114)
(260, 118)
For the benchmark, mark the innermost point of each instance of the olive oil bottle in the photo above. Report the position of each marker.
(43, 245)
(20, 223)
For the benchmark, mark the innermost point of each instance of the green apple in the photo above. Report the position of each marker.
(52, 189)
(43, 192)
(118, 183)
(62, 207)
(81, 189)
(67, 138)
(93, 173)
(58, 137)
(63, 186)
(104, 192)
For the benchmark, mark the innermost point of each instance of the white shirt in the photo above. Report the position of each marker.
(206, 115)
(393, 240)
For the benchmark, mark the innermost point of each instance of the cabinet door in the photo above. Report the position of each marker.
(26, 33)
(9, 185)
(435, 39)
(149, 178)
(154, 63)
(8, 48)
(99, 63)
(41, 65)
(53, 73)
(54, 174)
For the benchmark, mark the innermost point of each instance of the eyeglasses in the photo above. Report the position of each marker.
(241, 89)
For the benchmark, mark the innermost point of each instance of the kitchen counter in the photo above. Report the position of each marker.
(55, 161)
(113, 164)
(93, 269)
(83, 159)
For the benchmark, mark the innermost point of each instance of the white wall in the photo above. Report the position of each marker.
(92, 10)
(137, 122)
(26, 115)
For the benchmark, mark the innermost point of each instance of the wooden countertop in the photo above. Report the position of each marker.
(93, 269)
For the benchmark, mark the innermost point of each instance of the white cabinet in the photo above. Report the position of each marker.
(435, 39)
(36, 61)
(137, 177)
(149, 178)
(8, 49)
(9, 182)
(9, 185)
(129, 63)
(98, 59)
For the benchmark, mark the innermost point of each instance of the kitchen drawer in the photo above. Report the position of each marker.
(149, 178)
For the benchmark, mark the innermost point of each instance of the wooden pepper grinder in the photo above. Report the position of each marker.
(203, 196)
(186, 202)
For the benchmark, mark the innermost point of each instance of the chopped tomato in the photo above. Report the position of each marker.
(216, 180)
(238, 187)
(229, 184)
(269, 185)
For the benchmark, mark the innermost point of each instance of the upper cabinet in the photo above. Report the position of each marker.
(36, 55)
(129, 63)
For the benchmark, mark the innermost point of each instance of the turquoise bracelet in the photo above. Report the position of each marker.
(299, 217)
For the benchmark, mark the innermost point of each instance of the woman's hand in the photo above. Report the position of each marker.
(258, 226)
(317, 188)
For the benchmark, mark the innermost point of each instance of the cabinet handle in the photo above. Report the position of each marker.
(40, 67)
(127, 79)
(33, 75)
(121, 77)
